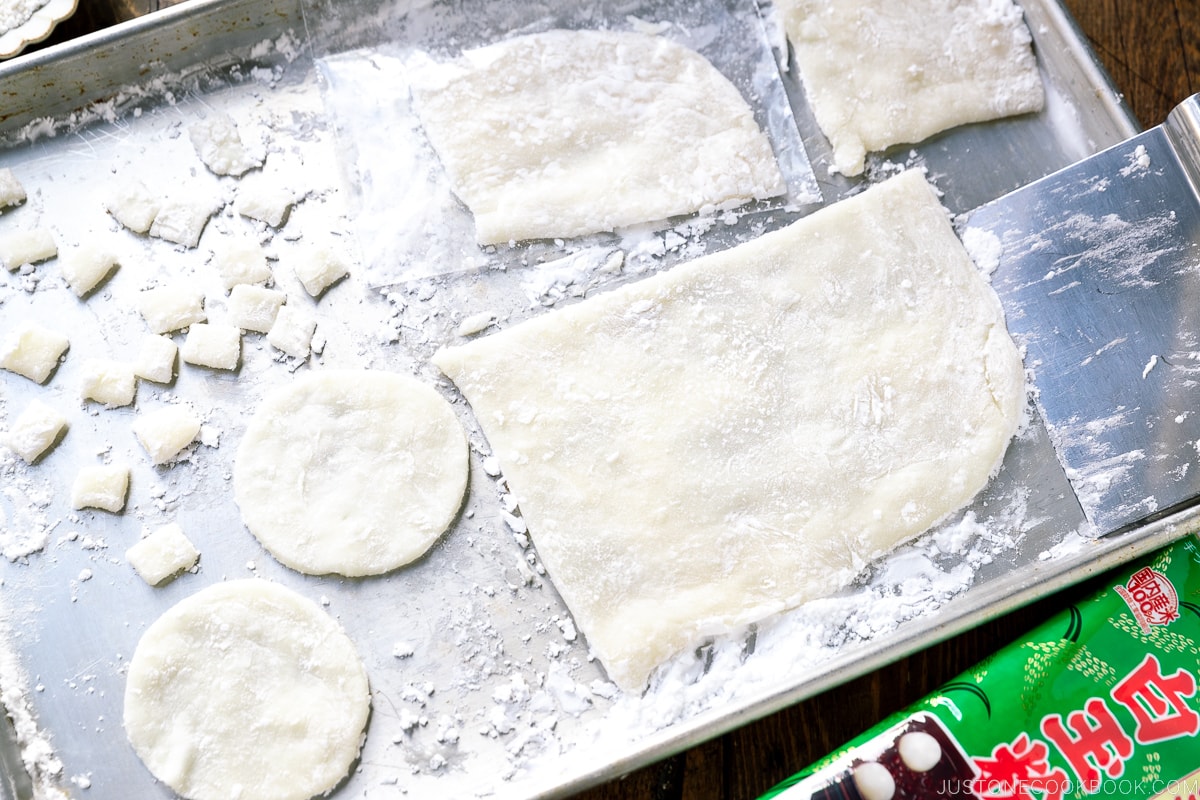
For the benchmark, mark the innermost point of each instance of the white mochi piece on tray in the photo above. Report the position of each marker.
(319, 268)
(133, 205)
(102, 486)
(33, 350)
(353, 472)
(219, 145)
(171, 307)
(240, 260)
(35, 431)
(85, 266)
(883, 72)
(32, 246)
(213, 345)
(744, 432)
(182, 219)
(264, 201)
(246, 689)
(292, 331)
(163, 553)
(166, 431)
(577, 132)
(12, 193)
(112, 383)
(254, 308)
(156, 359)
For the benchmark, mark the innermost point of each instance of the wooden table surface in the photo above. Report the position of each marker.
(1151, 49)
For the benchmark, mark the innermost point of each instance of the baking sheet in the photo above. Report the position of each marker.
(481, 685)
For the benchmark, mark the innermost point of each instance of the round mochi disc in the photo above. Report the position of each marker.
(246, 689)
(353, 472)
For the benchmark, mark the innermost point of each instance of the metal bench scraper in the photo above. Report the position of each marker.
(1099, 275)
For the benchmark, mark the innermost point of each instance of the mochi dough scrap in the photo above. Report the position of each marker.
(246, 689)
(220, 146)
(156, 359)
(264, 201)
(35, 431)
(102, 486)
(33, 351)
(292, 331)
(182, 220)
(884, 72)
(254, 308)
(241, 260)
(133, 205)
(577, 132)
(166, 431)
(27, 247)
(318, 269)
(743, 433)
(12, 193)
(84, 267)
(213, 345)
(171, 307)
(112, 383)
(353, 472)
(162, 554)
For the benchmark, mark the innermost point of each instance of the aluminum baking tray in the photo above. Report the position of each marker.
(480, 684)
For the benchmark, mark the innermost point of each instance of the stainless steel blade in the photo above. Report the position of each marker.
(1099, 274)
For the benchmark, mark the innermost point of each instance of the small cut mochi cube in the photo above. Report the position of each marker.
(292, 332)
(240, 260)
(182, 220)
(264, 202)
(27, 247)
(35, 431)
(33, 351)
(219, 145)
(12, 193)
(109, 382)
(212, 345)
(86, 266)
(133, 206)
(156, 359)
(102, 486)
(162, 554)
(171, 307)
(254, 308)
(318, 269)
(164, 432)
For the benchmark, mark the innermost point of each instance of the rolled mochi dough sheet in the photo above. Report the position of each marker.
(883, 72)
(565, 133)
(246, 689)
(353, 472)
(743, 433)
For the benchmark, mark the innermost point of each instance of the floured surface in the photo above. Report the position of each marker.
(577, 132)
(246, 689)
(884, 72)
(745, 432)
(355, 472)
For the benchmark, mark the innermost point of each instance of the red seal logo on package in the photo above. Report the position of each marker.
(1151, 598)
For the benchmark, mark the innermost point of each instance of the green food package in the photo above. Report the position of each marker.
(1100, 701)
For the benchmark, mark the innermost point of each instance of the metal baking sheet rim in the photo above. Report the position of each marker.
(65, 78)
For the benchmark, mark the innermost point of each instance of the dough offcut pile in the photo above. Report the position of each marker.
(728, 439)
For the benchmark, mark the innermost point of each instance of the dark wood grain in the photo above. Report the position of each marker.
(1151, 49)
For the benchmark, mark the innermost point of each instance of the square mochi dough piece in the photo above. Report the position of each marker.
(264, 201)
(12, 193)
(27, 247)
(84, 267)
(166, 431)
(156, 359)
(103, 486)
(212, 345)
(171, 307)
(181, 220)
(133, 205)
(745, 432)
(254, 308)
(33, 351)
(884, 72)
(241, 260)
(35, 431)
(292, 331)
(162, 554)
(109, 382)
(319, 268)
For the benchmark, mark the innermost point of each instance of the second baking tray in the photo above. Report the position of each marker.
(481, 686)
